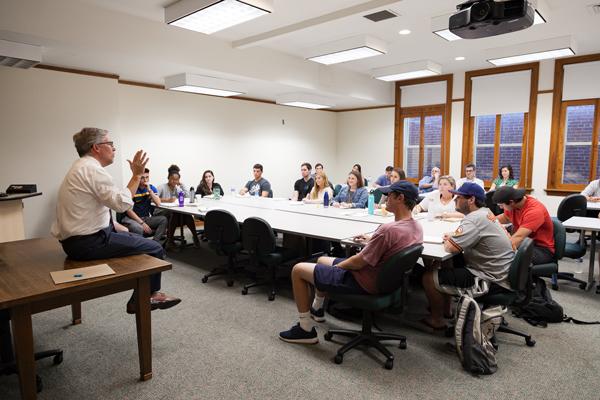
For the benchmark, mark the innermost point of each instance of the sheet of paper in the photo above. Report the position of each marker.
(432, 239)
(79, 274)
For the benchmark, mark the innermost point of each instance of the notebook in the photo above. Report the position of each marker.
(79, 274)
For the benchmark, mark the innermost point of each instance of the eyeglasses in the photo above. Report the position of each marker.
(111, 144)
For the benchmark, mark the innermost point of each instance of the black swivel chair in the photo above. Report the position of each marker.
(223, 234)
(336, 190)
(519, 277)
(391, 285)
(574, 205)
(489, 203)
(7, 359)
(377, 195)
(266, 257)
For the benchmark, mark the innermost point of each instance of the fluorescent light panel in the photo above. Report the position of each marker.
(347, 49)
(304, 100)
(346, 55)
(524, 58)
(417, 69)
(210, 16)
(447, 35)
(303, 104)
(204, 85)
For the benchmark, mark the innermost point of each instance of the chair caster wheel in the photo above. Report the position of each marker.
(58, 358)
(389, 364)
(229, 283)
(529, 342)
(338, 358)
(204, 279)
(555, 286)
(402, 345)
(244, 291)
(38, 384)
(328, 336)
(583, 286)
(271, 297)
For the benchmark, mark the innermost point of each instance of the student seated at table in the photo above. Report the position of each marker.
(483, 251)
(169, 193)
(505, 178)
(208, 186)
(529, 218)
(469, 176)
(430, 183)
(397, 174)
(259, 186)
(592, 191)
(141, 219)
(358, 168)
(353, 194)
(357, 274)
(319, 168)
(385, 179)
(440, 202)
(304, 185)
(319, 189)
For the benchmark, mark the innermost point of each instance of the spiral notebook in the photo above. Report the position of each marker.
(79, 274)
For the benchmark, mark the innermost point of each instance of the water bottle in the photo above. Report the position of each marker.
(181, 198)
(192, 195)
(256, 193)
(217, 192)
(371, 204)
(326, 199)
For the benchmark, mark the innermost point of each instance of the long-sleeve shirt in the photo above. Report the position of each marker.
(358, 199)
(593, 189)
(84, 199)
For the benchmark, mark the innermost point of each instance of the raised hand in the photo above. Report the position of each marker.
(139, 162)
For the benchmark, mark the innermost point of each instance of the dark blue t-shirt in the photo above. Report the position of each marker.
(142, 203)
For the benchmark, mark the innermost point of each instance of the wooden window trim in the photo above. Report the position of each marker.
(555, 161)
(447, 116)
(528, 128)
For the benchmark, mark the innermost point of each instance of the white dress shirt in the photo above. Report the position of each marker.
(84, 199)
(460, 182)
(592, 190)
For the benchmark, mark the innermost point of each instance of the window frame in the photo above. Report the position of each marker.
(497, 145)
(401, 113)
(554, 186)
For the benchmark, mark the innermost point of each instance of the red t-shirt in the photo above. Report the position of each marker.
(387, 240)
(534, 216)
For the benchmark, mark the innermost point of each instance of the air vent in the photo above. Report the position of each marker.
(19, 55)
(594, 9)
(381, 16)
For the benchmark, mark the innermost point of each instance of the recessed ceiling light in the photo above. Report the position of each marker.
(412, 70)
(459, 58)
(204, 85)
(538, 56)
(404, 32)
(562, 46)
(304, 100)
(348, 49)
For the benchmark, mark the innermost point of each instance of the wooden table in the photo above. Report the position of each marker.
(12, 226)
(26, 288)
(592, 225)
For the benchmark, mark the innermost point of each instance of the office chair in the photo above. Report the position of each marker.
(223, 233)
(265, 256)
(391, 285)
(7, 359)
(336, 190)
(519, 276)
(377, 195)
(574, 205)
(489, 203)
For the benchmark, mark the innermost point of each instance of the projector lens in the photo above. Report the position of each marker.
(479, 11)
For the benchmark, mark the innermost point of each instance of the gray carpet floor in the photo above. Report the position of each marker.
(218, 344)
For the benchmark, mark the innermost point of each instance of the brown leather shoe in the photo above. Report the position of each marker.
(163, 301)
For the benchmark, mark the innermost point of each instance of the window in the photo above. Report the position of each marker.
(498, 141)
(422, 131)
(579, 147)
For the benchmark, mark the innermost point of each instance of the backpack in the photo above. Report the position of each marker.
(542, 309)
(473, 332)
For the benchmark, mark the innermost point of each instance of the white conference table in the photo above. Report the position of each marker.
(592, 225)
(593, 205)
(334, 224)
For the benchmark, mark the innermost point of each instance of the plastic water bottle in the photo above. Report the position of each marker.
(326, 199)
(256, 193)
(217, 192)
(371, 204)
(192, 195)
(181, 198)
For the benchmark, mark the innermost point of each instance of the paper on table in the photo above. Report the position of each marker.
(432, 239)
(78, 274)
(295, 203)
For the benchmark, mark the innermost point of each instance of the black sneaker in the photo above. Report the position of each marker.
(299, 335)
(318, 315)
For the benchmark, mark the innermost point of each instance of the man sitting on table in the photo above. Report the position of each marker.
(304, 185)
(259, 186)
(483, 249)
(140, 219)
(357, 274)
(529, 218)
(83, 218)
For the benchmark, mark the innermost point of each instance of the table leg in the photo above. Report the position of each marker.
(23, 338)
(144, 332)
(76, 313)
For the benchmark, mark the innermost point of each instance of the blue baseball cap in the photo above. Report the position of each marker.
(470, 189)
(406, 188)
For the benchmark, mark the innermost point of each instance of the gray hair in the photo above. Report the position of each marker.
(86, 138)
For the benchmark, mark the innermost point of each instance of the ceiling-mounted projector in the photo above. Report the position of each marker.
(482, 18)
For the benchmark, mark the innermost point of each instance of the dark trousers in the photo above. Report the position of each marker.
(107, 243)
(541, 255)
